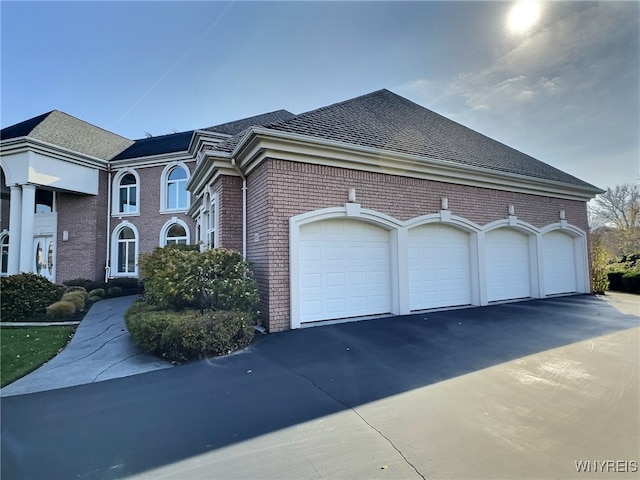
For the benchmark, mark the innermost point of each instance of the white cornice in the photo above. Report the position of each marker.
(260, 143)
(153, 160)
(25, 144)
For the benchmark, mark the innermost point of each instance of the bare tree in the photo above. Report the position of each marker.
(618, 211)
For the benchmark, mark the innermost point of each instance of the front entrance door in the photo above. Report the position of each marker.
(44, 253)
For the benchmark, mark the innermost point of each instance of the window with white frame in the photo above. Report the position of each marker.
(174, 232)
(4, 252)
(128, 194)
(125, 251)
(212, 223)
(174, 195)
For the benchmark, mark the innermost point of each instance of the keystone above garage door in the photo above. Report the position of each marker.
(345, 270)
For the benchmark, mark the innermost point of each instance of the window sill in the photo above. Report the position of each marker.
(116, 215)
(177, 210)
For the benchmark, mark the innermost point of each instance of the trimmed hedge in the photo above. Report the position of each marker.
(77, 297)
(631, 282)
(61, 310)
(26, 296)
(97, 292)
(188, 334)
(216, 279)
(121, 286)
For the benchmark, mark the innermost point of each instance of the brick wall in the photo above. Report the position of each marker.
(150, 221)
(229, 191)
(280, 189)
(258, 218)
(81, 216)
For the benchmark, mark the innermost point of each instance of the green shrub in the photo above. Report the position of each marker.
(125, 284)
(631, 282)
(97, 292)
(217, 279)
(61, 309)
(615, 280)
(78, 298)
(88, 285)
(75, 288)
(93, 299)
(598, 257)
(26, 296)
(188, 335)
(114, 291)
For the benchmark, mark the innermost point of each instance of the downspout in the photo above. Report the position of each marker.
(244, 208)
(107, 267)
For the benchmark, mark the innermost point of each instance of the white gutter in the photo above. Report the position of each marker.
(244, 208)
(107, 267)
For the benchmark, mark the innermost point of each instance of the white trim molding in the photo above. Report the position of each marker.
(114, 250)
(164, 180)
(115, 197)
(165, 229)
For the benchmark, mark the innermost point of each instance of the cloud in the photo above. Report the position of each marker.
(574, 39)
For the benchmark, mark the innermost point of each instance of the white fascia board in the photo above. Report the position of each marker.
(27, 144)
(259, 143)
(203, 138)
(209, 169)
(153, 160)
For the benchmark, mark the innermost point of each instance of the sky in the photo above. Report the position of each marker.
(557, 80)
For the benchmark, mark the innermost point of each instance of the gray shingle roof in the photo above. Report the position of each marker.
(237, 126)
(173, 142)
(386, 121)
(66, 131)
(22, 129)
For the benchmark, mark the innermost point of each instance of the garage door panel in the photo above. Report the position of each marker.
(559, 263)
(439, 267)
(507, 265)
(354, 270)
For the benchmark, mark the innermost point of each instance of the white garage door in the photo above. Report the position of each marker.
(439, 267)
(559, 263)
(345, 270)
(507, 265)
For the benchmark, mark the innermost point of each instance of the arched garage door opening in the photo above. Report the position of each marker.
(344, 270)
(508, 269)
(559, 263)
(439, 267)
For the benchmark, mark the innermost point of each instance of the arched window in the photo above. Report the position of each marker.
(126, 196)
(174, 194)
(125, 251)
(4, 252)
(174, 232)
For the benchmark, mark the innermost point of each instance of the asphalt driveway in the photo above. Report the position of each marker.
(522, 390)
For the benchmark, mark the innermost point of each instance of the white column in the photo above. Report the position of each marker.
(15, 229)
(28, 212)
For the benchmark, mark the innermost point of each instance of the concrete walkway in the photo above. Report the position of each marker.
(101, 349)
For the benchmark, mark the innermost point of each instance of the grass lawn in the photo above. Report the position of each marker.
(26, 348)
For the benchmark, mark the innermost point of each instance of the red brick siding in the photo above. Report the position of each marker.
(280, 189)
(229, 190)
(150, 221)
(258, 218)
(83, 255)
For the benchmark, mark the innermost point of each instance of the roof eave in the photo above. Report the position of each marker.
(259, 140)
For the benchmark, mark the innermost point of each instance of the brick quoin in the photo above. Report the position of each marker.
(280, 189)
